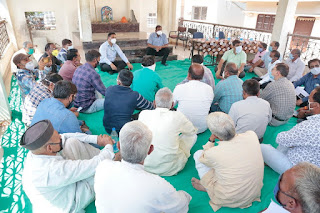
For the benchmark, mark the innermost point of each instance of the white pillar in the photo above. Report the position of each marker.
(167, 15)
(85, 21)
(5, 112)
(284, 22)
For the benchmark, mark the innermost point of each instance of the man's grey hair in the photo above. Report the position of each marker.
(164, 98)
(298, 52)
(25, 44)
(221, 125)
(307, 186)
(135, 140)
(231, 68)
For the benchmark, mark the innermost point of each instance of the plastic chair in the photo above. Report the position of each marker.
(221, 35)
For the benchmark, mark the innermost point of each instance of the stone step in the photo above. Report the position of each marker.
(128, 42)
(135, 59)
(138, 50)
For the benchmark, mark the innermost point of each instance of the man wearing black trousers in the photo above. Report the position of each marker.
(158, 45)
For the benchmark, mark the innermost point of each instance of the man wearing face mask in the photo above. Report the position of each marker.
(310, 81)
(27, 49)
(41, 91)
(26, 74)
(52, 51)
(296, 65)
(109, 51)
(256, 62)
(55, 110)
(59, 170)
(235, 55)
(70, 65)
(66, 45)
(146, 81)
(299, 144)
(88, 83)
(158, 45)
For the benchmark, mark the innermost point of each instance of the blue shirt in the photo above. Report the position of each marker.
(26, 81)
(62, 119)
(309, 83)
(156, 40)
(119, 104)
(228, 92)
(109, 53)
(62, 56)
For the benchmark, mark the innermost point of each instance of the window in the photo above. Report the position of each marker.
(41, 20)
(265, 22)
(199, 13)
(4, 37)
(152, 20)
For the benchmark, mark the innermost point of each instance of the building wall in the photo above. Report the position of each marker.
(119, 9)
(66, 14)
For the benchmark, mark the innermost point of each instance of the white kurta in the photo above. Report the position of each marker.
(194, 101)
(173, 135)
(125, 187)
(54, 184)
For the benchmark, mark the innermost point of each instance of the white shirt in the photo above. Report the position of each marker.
(296, 69)
(267, 77)
(14, 68)
(253, 113)
(109, 53)
(173, 135)
(125, 187)
(53, 184)
(194, 101)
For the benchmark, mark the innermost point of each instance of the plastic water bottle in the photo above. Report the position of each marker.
(114, 136)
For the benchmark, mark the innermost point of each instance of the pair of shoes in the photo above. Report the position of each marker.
(111, 72)
(165, 64)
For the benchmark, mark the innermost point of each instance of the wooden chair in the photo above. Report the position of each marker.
(178, 34)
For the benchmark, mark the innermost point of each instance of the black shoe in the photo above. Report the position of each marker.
(111, 72)
(165, 64)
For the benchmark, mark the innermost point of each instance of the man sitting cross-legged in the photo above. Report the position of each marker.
(252, 113)
(232, 172)
(173, 136)
(121, 101)
(55, 110)
(194, 98)
(59, 170)
(125, 186)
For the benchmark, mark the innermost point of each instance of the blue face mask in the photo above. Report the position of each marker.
(270, 48)
(291, 56)
(260, 49)
(276, 190)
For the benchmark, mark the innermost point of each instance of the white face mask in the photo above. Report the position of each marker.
(315, 70)
(238, 49)
(152, 67)
(47, 69)
(223, 74)
(113, 40)
(30, 66)
(159, 32)
(70, 47)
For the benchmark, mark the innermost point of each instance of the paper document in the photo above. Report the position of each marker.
(301, 93)
(275, 208)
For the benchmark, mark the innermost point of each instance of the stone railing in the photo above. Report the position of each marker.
(309, 46)
(211, 30)
(4, 38)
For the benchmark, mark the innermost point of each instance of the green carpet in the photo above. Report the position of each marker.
(13, 199)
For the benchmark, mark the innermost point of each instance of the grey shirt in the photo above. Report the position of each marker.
(282, 98)
(253, 113)
(157, 41)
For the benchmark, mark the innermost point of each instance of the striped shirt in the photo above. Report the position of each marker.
(120, 103)
(282, 98)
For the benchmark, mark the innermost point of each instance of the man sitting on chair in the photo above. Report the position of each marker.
(109, 51)
(158, 45)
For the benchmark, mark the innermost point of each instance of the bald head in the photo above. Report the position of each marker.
(195, 72)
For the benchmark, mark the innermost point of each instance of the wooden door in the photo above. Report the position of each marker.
(303, 27)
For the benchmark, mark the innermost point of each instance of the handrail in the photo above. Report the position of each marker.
(303, 36)
(244, 28)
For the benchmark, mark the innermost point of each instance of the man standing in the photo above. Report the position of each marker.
(310, 81)
(194, 98)
(266, 59)
(281, 95)
(158, 45)
(66, 45)
(70, 65)
(28, 50)
(59, 170)
(296, 65)
(109, 51)
(299, 144)
(236, 56)
(173, 136)
(121, 101)
(252, 113)
(88, 81)
(52, 51)
(125, 186)
(227, 91)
